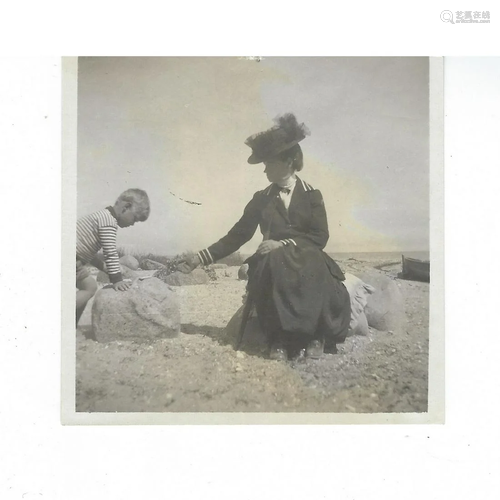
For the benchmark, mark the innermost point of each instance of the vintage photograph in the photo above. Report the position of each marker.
(253, 236)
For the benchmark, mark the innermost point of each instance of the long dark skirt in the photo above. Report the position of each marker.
(297, 295)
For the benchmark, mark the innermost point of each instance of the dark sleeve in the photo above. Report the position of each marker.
(317, 232)
(238, 235)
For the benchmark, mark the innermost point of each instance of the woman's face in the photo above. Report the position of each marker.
(278, 171)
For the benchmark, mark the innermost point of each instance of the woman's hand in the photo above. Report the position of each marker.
(189, 264)
(121, 285)
(268, 246)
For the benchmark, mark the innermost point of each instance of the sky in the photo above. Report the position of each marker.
(176, 127)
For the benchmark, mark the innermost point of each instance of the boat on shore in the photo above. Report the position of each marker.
(416, 269)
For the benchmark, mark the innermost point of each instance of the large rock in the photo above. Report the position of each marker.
(196, 277)
(127, 274)
(385, 308)
(243, 272)
(147, 311)
(130, 261)
(359, 292)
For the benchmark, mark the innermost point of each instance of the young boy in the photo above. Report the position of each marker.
(98, 230)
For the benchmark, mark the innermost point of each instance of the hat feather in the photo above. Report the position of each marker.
(285, 133)
(293, 130)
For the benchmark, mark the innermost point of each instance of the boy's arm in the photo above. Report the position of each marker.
(107, 235)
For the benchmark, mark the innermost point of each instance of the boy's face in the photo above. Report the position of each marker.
(127, 217)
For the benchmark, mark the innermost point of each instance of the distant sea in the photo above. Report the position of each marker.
(376, 256)
(362, 256)
(385, 256)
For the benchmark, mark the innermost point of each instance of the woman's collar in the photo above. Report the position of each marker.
(289, 183)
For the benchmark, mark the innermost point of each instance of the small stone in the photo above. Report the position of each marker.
(177, 278)
(169, 399)
(130, 261)
(240, 354)
(350, 408)
(148, 264)
(373, 395)
(243, 272)
(238, 368)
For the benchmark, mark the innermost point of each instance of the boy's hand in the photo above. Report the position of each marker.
(189, 264)
(121, 285)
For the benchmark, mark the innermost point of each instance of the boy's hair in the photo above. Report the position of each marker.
(139, 200)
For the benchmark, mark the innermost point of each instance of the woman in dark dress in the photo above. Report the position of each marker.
(296, 287)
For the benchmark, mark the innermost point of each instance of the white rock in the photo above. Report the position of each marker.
(359, 291)
(147, 311)
(385, 308)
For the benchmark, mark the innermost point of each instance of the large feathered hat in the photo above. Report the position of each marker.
(284, 135)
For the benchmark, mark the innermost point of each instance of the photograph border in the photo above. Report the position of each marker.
(436, 368)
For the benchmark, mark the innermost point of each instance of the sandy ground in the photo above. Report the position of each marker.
(382, 372)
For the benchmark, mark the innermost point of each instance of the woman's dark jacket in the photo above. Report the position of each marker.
(297, 287)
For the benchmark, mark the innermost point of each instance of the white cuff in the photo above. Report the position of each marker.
(205, 257)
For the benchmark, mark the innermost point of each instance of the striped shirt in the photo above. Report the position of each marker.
(95, 231)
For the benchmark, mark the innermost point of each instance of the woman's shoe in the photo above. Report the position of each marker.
(315, 349)
(278, 352)
(331, 348)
